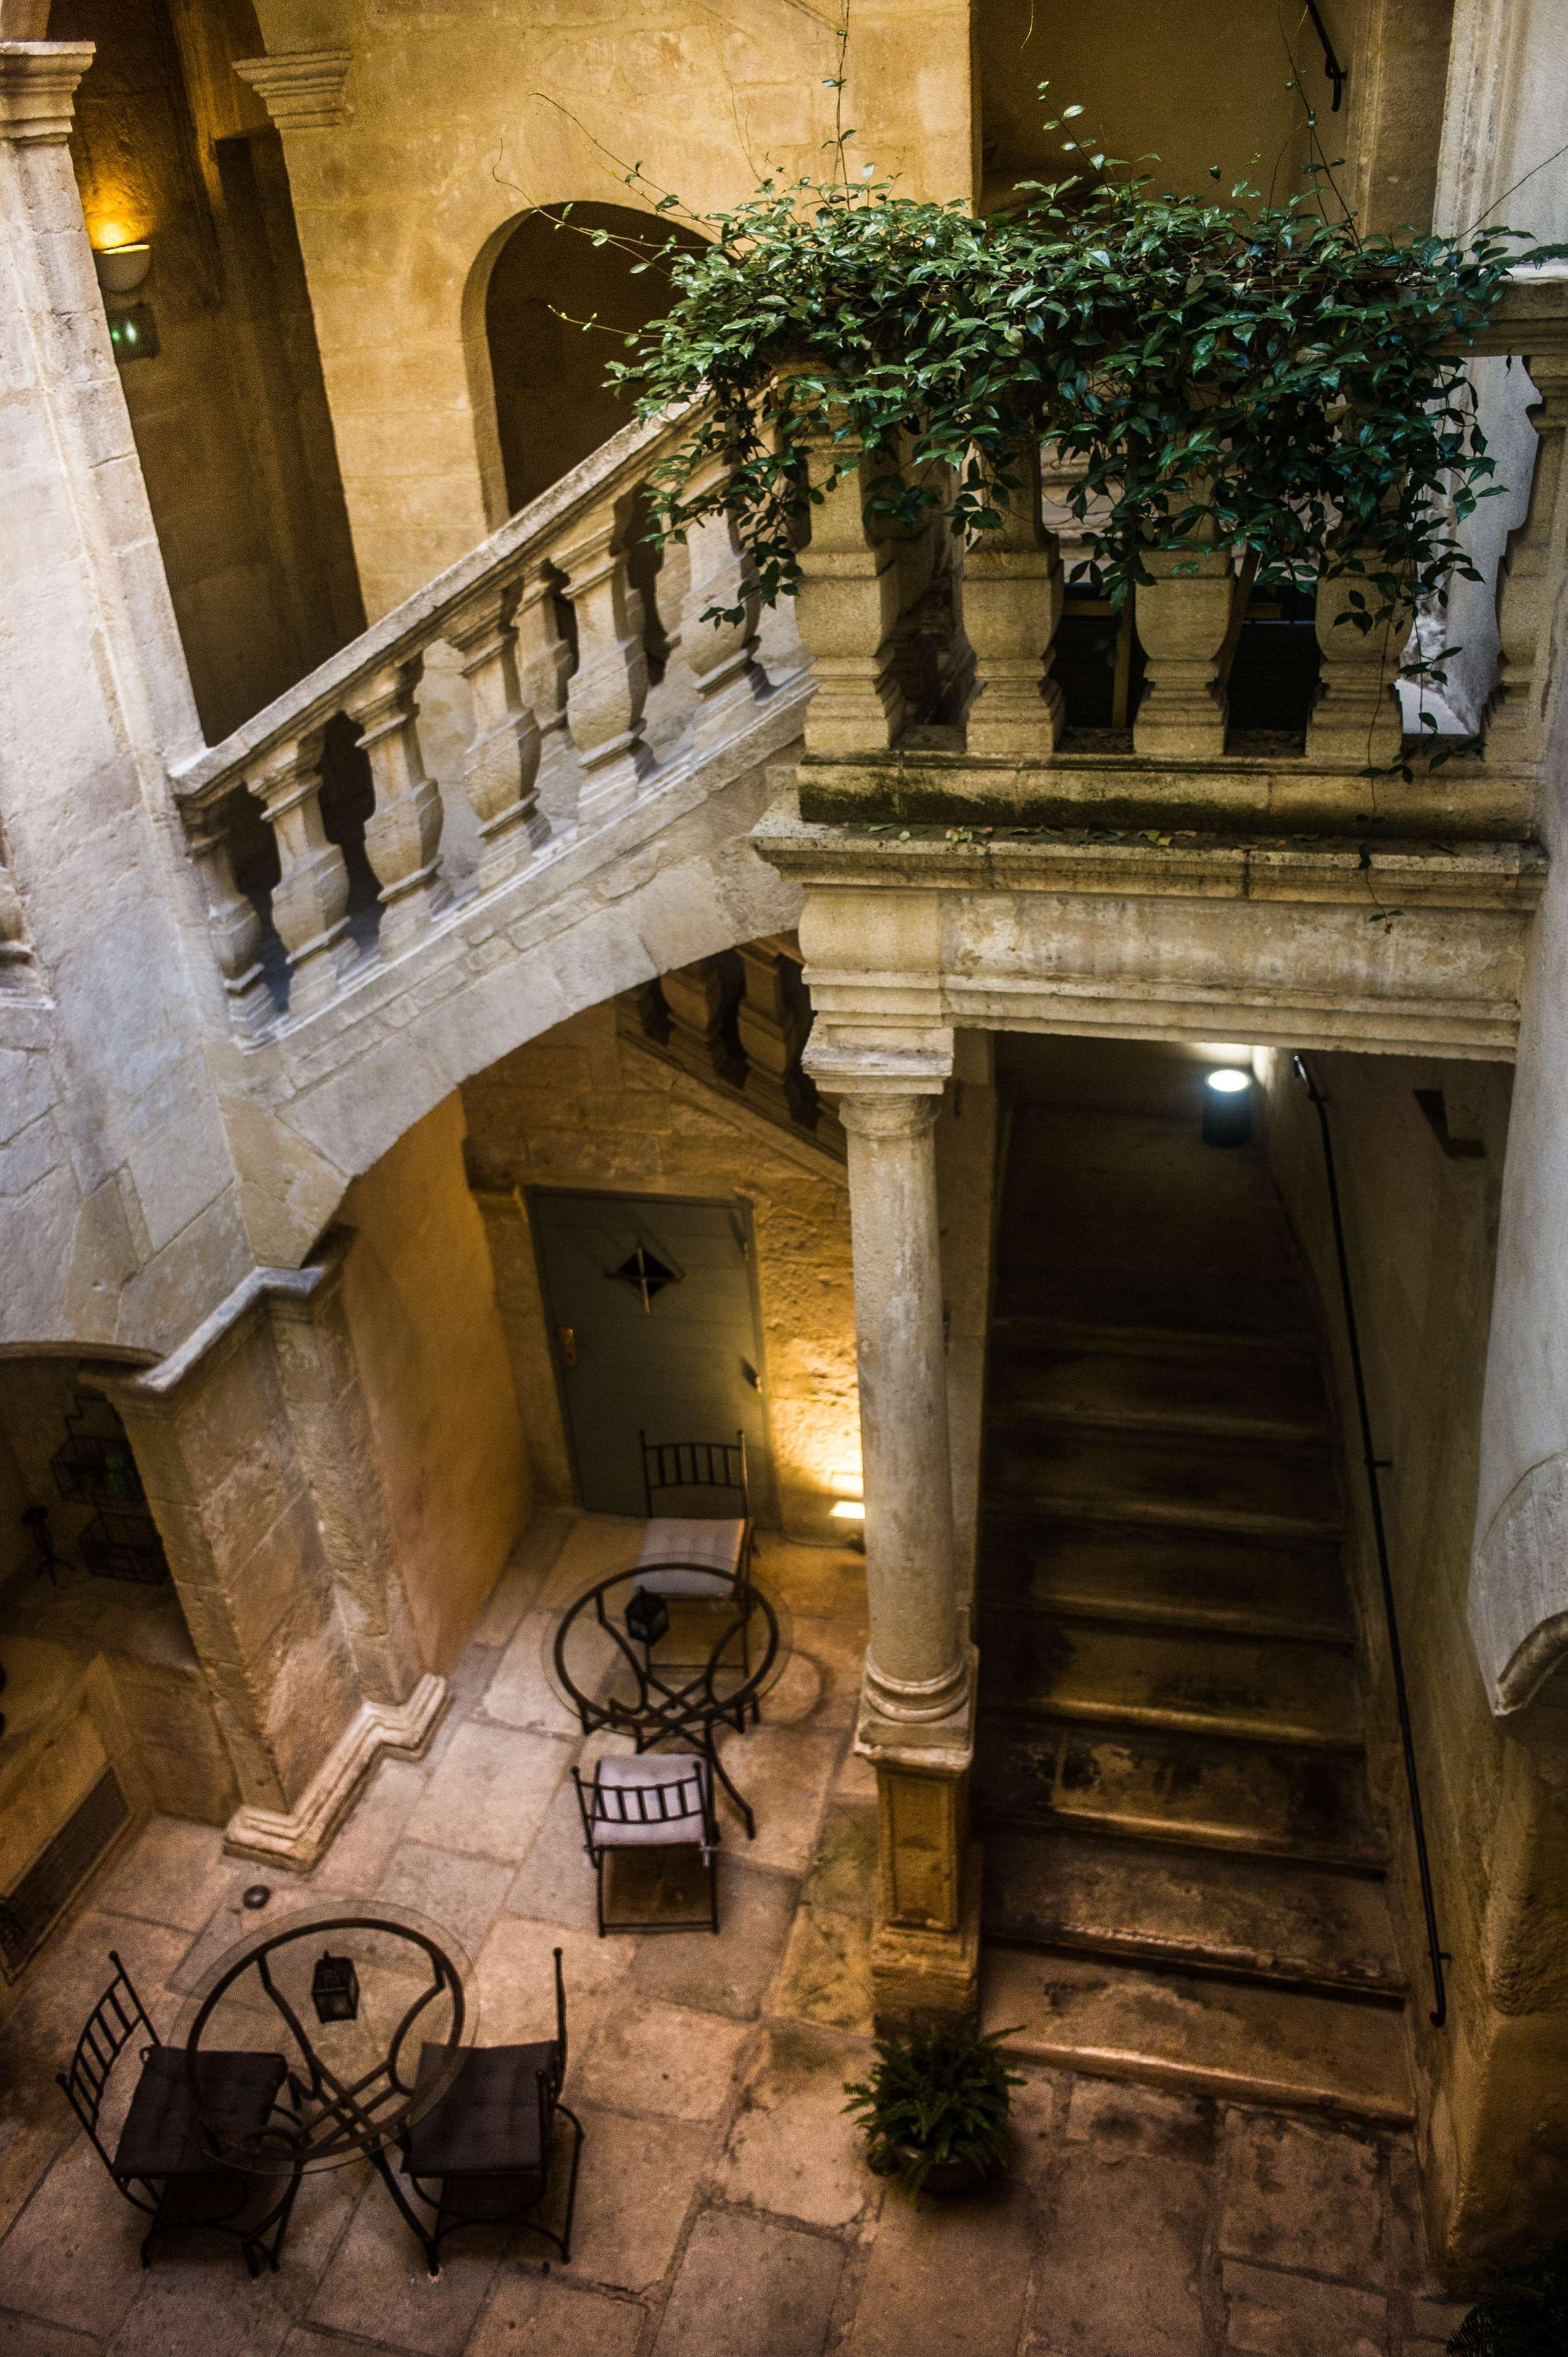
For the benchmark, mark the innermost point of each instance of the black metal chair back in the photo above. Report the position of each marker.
(695, 1465)
(678, 1805)
(110, 2027)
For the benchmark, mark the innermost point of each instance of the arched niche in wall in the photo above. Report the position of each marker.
(552, 406)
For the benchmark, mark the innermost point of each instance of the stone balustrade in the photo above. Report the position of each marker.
(544, 688)
(530, 670)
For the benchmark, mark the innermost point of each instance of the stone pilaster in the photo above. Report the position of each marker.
(253, 1446)
(916, 1713)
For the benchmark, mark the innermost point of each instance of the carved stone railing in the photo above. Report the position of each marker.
(975, 727)
(542, 689)
(523, 698)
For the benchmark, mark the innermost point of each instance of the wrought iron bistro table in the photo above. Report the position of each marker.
(602, 1660)
(357, 1990)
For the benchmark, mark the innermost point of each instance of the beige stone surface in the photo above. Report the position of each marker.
(551, 2319)
(660, 2059)
(789, 2148)
(750, 2283)
(1287, 2316)
(944, 2277)
(489, 1794)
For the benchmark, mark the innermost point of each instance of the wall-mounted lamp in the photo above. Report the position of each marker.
(1226, 1107)
(122, 268)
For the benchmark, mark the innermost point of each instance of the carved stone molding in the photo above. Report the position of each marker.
(38, 85)
(302, 90)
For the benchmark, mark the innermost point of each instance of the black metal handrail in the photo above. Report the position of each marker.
(1374, 1465)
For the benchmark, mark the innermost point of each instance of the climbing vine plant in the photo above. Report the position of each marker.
(1256, 375)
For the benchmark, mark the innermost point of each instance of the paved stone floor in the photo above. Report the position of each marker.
(725, 2210)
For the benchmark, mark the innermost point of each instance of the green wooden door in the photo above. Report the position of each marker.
(653, 1323)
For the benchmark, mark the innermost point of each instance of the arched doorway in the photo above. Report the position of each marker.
(552, 406)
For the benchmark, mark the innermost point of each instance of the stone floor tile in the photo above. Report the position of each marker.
(232, 1922)
(945, 2276)
(826, 1582)
(632, 2198)
(468, 1682)
(488, 1795)
(784, 1773)
(1298, 2194)
(796, 1693)
(72, 2256)
(791, 2149)
(843, 1872)
(305, 2340)
(1437, 2319)
(514, 1980)
(661, 2060)
(1119, 2263)
(836, 1651)
(174, 1872)
(23, 2336)
(1291, 2316)
(748, 2285)
(464, 1895)
(515, 1590)
(555, 1881)
(729, 1973)
(1038, 2108)
(521, 1693)
(364, 1842)
(1119, 2115)
(826, 1974)
(542, 2316)
(855, 1780)
(204, 2304)
(1406, 2264)
(377, 2284)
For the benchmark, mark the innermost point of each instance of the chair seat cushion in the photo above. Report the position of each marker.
(682, 1778)
(487, 2122)
(686, 1542)
(167, 2133)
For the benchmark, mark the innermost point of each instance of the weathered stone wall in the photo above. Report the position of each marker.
(457, 124)
(230, 414)
(420, 1296)
(1422, 1225)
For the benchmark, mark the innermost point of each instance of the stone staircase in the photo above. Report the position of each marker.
(1184, 1872)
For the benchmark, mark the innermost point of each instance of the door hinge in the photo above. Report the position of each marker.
(568, 1339)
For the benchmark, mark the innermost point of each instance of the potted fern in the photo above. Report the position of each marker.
(935, 2107)
(1525, 2314)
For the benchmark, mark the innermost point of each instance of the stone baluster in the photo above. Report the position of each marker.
(774, 1018)
(402, 834)
(310, 898)
(1183, 616)
(917, 1713)
(720, 656)
(607, 691)
(1355, 721)
(1013, 593)
(1529, 580)
(700, 998)
(235, 927)
(848, 608)
(501, 768)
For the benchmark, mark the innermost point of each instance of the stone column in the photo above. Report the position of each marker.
(234, 925)
(501, 765)
(607, 691)
(916, 1713)
(310, 898)
(847, 611)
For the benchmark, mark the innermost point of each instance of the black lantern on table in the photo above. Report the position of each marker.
(646, 1615)
(335, 1988)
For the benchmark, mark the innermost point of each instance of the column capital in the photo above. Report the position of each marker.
(861, 1072)
(38, 86)
(302, 90)
(901, 1114)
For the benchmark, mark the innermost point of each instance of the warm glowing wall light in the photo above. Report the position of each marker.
(849, 1488)
(847, 1509)
(122, 267)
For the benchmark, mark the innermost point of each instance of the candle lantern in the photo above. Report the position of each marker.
(335, 1988)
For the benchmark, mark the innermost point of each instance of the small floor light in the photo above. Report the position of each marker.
(1227, 1108)
(335, 1988)
(647, 1617)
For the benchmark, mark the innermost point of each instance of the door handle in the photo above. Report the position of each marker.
(750, 1374)
(567, 1336)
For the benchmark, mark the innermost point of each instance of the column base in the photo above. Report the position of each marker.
(920, 1974)
(296, 1838)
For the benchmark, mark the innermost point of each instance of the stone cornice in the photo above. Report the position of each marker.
(38, 86)
(302, 90)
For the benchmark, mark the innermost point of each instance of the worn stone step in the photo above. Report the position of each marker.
(1190, 1302)
(1020, 1329)
(1194, 1909)
(1246, 1586)
(1191, 1680)
(1210, 1394)
(1235, 2039)
(1265, 1799)
(1222, 1486)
